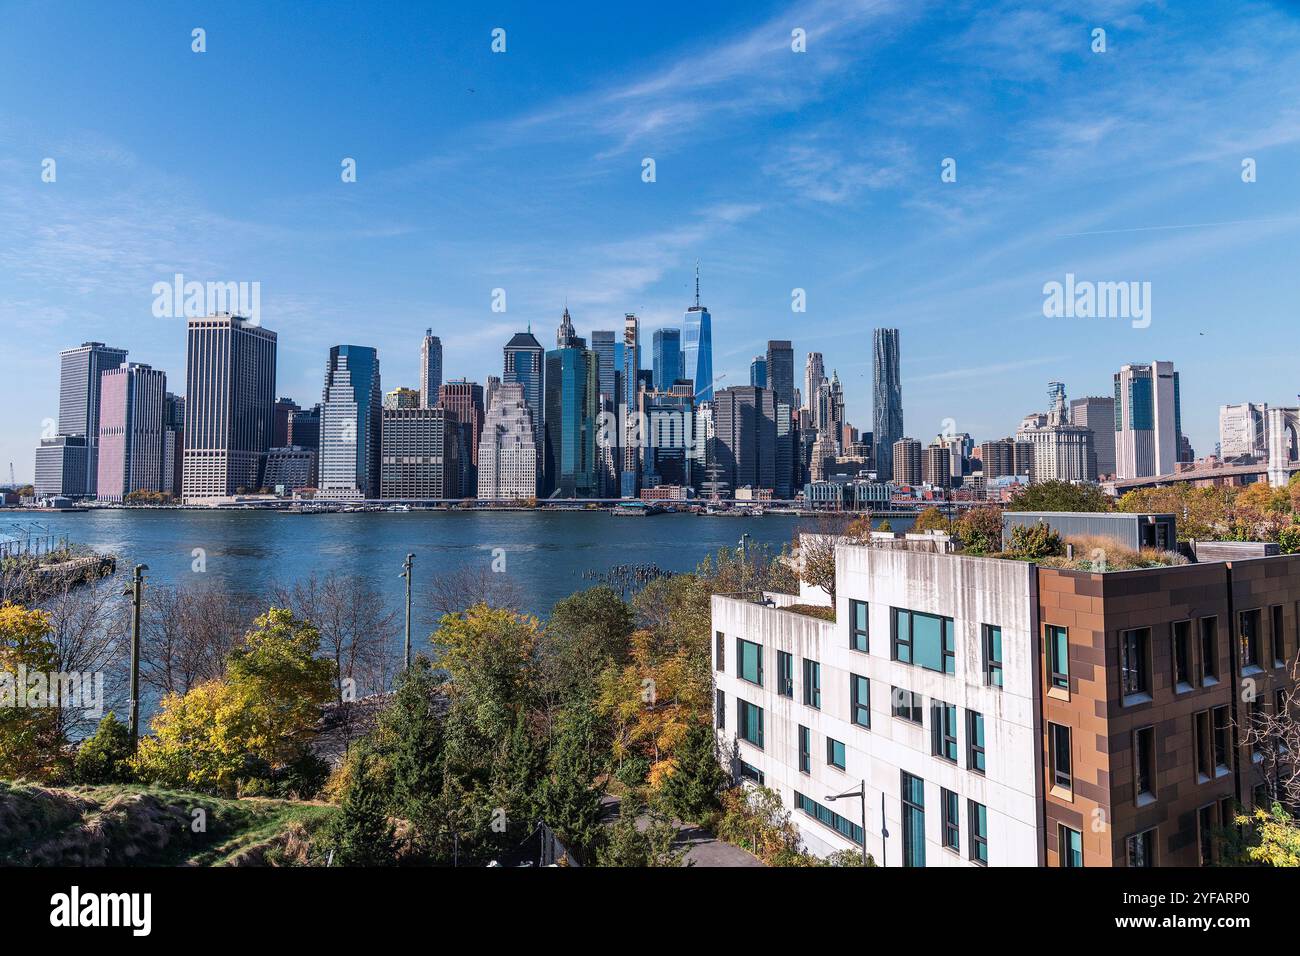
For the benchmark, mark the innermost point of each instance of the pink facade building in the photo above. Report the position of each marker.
(131, 427)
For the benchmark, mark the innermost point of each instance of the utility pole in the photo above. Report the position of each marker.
(137, 593)
(406, 573)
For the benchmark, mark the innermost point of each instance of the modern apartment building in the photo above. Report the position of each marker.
(229, 394)
(420, 454)
(1004, 713)
(906, 459)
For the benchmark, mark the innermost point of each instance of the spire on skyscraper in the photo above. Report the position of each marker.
(697, 283)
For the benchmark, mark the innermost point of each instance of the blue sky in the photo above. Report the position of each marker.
(776, 170)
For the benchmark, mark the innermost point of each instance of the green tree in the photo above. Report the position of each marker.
(980, 529)
(633, 842)
(362, 834)
(1059, 496)
(587, 632)
(885, 525)
(1267, 838)
(31, 741)
(931, 519)
(1032, 542)
(571, 800)
(104, 757)
(692, 787)
(412, 729)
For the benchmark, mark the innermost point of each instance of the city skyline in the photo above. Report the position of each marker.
(1052, 192)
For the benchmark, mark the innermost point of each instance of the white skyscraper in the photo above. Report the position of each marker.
(430, 369)
(1147, 419)
(507, 452)
(1243, 430)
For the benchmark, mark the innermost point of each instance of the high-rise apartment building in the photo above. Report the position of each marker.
(132, 410)
(1243, 430)
(887, 398)
(936, 466)
(905, 457)
(430, 369)
(420, 454)
(697, 347)
(666, 358)
(350, 424)
(507, 455)
(1148, 421)
(631, 464)
(1097, 413)
(464, 399)
(229, 394)
(745, 436)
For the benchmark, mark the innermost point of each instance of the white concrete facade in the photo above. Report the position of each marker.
(972, 592)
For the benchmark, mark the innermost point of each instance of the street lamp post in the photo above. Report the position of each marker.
(136, 590)
(406, 573)
(861, 793)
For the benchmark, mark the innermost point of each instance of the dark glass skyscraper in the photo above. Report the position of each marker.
(697, 347)
(780, 370)
(569, 443)
(887, 399)
(666, 359)
(604, 344)
(758, 372)
(351, 419)
(525, 358)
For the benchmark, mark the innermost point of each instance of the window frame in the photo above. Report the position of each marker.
(1057, 679)
(911, 711)
(812, 683)
(950, 805)
(743, 723)
(831, 750)
(992, 663)
(785, 674)
(1065, 849)
(1141, 839)
(1186, 682)
(742, 647)
(856, 704)
(720, 709)
(900, 643)
(976, 754)
(1062, 777)
(1208, 634)
(720, 651)
(979, 835)
(805, 749)
(1135, 659)
(943, 731)
(1144, 765)
(856, 632)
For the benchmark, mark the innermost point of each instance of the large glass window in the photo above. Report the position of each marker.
(913, 801)
(749, 657)
(924, 639)
(860, 703)
(784, 674)
(751, 773)
(1058, 656)
(950, 804)
(979, 832)
(1142, 849)
(720, 710)
(1182, 655)
(1221, 734)
(828, 817)
(905, 704)
(749, 722)
(1278, 637)
(1071, 846)
(943, 729)
(1058, 745)
(992, 655)
(858, 640)
(812, 683)
(1144, 763)
(1209, 650)
(975, 741)
(720, 651)
(1248, 635)
(805, 749)
(1135, 662)
(835, 753)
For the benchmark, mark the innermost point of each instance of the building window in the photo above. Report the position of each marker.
(913, 800)
(805, 749)
(992, 655)
(1279, 637)
(905, 704)
(720, 710)
(943, 730)
(812, 683)
(979, 832)
(1059, 756)
(1058, 656)
(1222, 744)
(1203, 742)
(1144, 764)
(1142, 849)
(749, 722)
(1182, 655)
(924, 639)
(950, 804)
(1205, 830)
(835, 753)
(1209, 651)
(858, 626)
(752, 773)
(784, 674)
(1134, 663)
(828, 817)
(1248, 634)
(749, 661)
(860, 700)
(720, 652)
(975, 741)
(1070, 846)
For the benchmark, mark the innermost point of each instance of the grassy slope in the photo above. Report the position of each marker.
(149, 826)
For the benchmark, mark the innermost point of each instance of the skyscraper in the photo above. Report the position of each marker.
(1097, 413)
(524, 362)
(780, 371)
(229, 394)
(666, 360)
(507, 455)
(71, 468)
(464, 399)
(351, 420)
(814, 374)
(1148, 422)
(566, 336)
(745, 436)
(569, 425)
(905, 458)
(697, 346)
(304, 428)
(604, 344)
(631, 388)
(420, 454)
(280, 426)
(430, 369)
(132, 408)
(758, 371)
(402, 397)
(173, 443)
(1243, 430)
(887, 399)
